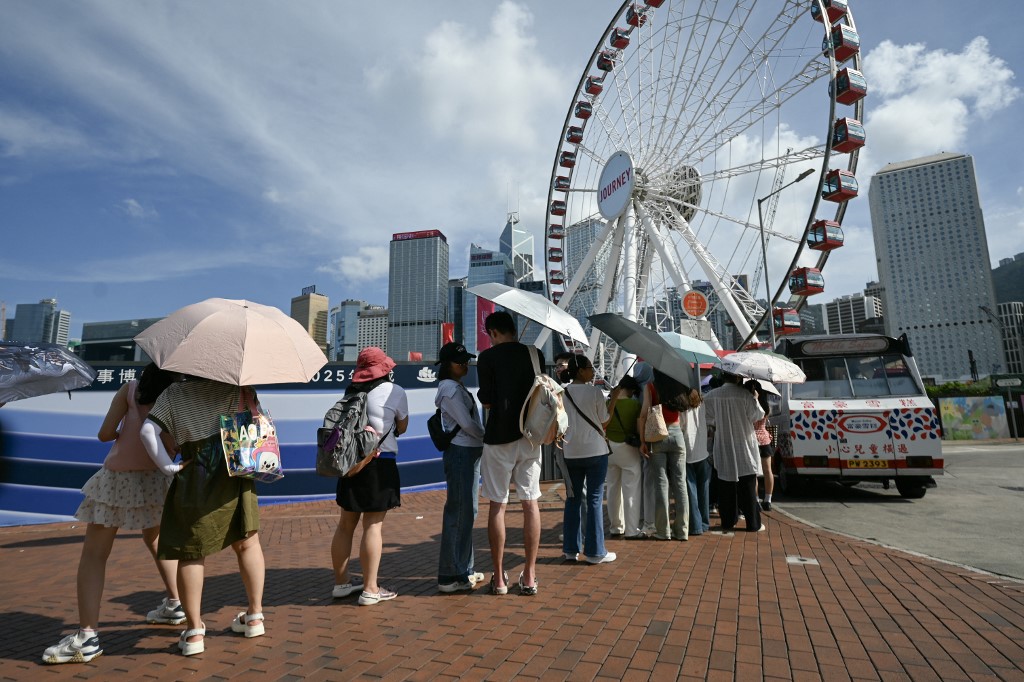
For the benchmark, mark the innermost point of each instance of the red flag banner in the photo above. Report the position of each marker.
(415, 356)
(447, 332)
(483, 309)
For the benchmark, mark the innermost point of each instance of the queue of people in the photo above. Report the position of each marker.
(194, 509)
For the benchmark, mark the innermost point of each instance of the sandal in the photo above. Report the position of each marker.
(527, 590)
(241, 624)
(192, 648)
(500, 590)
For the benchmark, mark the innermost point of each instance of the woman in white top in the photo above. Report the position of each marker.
(586, 457)
(698, 464)
(461, 471)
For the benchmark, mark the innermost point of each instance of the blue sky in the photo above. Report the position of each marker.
(153, 154)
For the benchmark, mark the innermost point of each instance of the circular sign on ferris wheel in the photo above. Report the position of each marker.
(695, 303)
(616, 185)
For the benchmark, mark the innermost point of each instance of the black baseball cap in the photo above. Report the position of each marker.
(453, 352)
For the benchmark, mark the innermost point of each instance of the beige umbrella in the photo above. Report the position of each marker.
(235, 342)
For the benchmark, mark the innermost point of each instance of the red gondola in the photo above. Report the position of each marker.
(840, 186)
(555, 254)
(619, 38)
(574, 135)
(786, 321)
(835, 9)
(606, 60)
(825, 235)
(583, 109)
(555, 277)
(635, 16)
(556, 296)
(560, 184)
(847, 134)
(557, 207)
(654, 3)
(567, 159)
(556, 231)
(806, 282)
(594, 85)
(852, 86)
(844, 43)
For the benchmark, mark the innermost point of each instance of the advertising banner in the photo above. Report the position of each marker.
(483, 309)
(974, 418)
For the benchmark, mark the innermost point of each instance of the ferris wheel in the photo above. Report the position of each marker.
(687, 127)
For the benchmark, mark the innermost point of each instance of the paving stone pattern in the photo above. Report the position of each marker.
(719, 607)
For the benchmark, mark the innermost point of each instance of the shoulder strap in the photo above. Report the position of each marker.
(583, 414)
(534, 359)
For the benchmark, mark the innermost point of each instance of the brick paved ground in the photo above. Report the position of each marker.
(716, 607)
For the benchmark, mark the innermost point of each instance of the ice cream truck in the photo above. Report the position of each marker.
(862, 415)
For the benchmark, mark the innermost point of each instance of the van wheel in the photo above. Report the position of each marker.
(911, 491)
(791, 483)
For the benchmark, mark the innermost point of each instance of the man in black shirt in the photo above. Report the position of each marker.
(506, 373)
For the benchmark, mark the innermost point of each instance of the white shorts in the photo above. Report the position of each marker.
(517, 462)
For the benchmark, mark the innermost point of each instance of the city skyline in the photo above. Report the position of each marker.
(156, 185)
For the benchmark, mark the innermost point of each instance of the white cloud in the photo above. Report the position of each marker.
(22, 134)
(366, 263)
(133, 209)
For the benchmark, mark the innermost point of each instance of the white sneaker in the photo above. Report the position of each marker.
(476, 578)
(371, 598)
(572, 557)
(606, 559)
(457, 586)
(166, 614)
(346, 590)
(75, 648)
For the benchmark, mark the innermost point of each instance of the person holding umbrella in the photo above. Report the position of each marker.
(375, 488)
(668, 456)
(127, 492)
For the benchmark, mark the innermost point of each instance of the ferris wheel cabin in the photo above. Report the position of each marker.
(636, 16)
(654, 3)
(847, 134)
(834, 9)
(594, 85)
(844, 43)
(806, 282)
(851, 86)
(567, 159)
(786, 321)
(556, 296)
(561, 184)
(606, 60)
(557, 207)
(583, 110)
(825, 235)
(555, 254)
(574, 135)
(556, 231)
(556, 277)
(619, 38)
(840, 186)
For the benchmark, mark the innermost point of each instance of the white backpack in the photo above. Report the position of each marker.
(543, 419)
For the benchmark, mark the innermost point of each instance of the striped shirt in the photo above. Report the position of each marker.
(190, 410)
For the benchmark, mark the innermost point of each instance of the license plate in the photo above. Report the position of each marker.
(867, 464)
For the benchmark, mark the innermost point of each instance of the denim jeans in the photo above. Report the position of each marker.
(462, 474)
(668, 461)
(591, 471)
(698, 483)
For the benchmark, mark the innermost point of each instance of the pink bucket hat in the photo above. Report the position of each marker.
(372, 363)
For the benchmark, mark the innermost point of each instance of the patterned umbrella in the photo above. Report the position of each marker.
(766, 366)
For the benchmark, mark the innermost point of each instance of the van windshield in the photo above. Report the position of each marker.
(868, 376)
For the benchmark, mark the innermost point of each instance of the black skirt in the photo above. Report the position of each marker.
(376, 488)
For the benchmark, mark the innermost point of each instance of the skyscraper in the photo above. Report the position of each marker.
(40, 323)
(345, 330)
(417, 293)
(578, 239)
(310, 310)
(933, 261)
(485, 266)
(373, 328)
(517, 244)
(456, 306)
(847, 314)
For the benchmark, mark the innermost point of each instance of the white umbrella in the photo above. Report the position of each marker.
(533, 306)
(28, 370)
(767, 366)
(235, 342)
(768, 387)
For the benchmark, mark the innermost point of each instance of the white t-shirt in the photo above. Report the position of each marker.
(384, 405)
(582, 439)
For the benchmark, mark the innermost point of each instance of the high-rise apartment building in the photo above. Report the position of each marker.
(812, 319)
(517, 244)
(344, 337)
(1011, 324)
(40, 322)
(933, 261)
(485, 266)
(310, 309)
(847, 314)
(373, 328)
(456, 307)
(417, 293)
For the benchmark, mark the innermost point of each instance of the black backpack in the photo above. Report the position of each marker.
(673, 394)
(438, 436)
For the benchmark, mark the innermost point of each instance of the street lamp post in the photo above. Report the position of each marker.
(764, 252)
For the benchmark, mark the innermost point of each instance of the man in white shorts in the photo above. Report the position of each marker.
(506, 374)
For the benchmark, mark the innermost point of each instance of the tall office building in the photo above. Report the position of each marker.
(847, 314)
(485, 266)
(812, 319)
(373, 328)
(517, 244)
(578, 238)
(933, 261)
(456, 306)
(1011, 324)
(310, 309)
(417, 293)
(114, 341)
(40, 322)
(345, 330)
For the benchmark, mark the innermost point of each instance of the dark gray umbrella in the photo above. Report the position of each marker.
(647, 344)
(28, 370)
